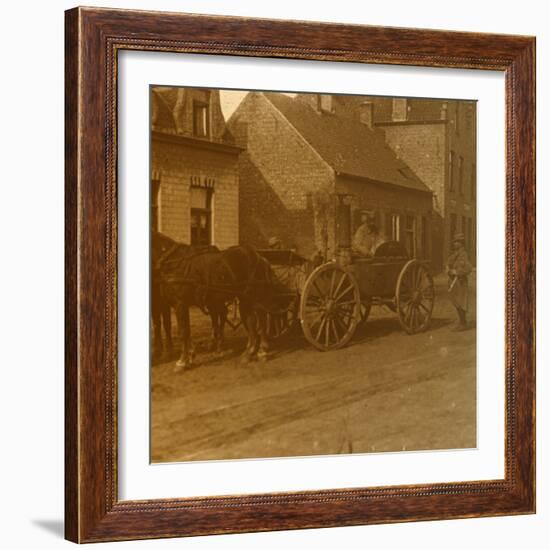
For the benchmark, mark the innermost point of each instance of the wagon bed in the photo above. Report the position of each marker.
(333, 299)
(338, 295)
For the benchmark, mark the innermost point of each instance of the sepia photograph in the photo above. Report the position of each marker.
(312, 274)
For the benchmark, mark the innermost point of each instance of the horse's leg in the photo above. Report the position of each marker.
(222, 318)
(167, 322)
(262, 337)
(185, 333)
(157, 335)
(213, 312)
(248, 319)
(219, 316)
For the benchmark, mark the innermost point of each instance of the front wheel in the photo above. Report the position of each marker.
(330, 307)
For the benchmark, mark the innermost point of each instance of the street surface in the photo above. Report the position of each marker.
(385, 391)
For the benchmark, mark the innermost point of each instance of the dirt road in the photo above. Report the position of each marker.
(386, 391)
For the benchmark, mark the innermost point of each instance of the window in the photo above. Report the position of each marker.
(461, 175)
(452, 174)
(201, 215)
(155, 205)
(410, 235)
(394, 229)
(201, 121)
(399, 109)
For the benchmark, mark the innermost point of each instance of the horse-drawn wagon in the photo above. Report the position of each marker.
(338, 295)
(333, 299)
(274, 289)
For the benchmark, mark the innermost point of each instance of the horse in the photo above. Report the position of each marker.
(209, 279)
(168, 255)
(161, 316)
(256, 287)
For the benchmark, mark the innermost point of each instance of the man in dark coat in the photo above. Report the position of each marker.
(458, 269)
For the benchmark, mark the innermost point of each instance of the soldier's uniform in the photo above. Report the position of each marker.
(458, 269)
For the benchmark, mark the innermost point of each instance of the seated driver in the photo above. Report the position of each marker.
(367, 238)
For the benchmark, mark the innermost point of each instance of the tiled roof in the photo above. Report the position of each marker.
(346, 144)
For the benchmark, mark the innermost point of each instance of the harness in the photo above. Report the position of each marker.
(166, 255)
(202, 290)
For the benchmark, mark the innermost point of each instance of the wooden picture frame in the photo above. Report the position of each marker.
(93, 511)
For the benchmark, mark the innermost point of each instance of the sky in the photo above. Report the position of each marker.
(230, 100)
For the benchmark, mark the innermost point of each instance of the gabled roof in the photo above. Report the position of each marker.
(346, 144)
(163, 108)
(164, 101)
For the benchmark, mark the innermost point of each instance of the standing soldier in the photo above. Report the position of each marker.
(458, 269)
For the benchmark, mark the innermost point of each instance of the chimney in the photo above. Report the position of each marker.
(366, 113)
(324, 103)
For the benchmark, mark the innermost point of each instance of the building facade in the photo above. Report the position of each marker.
(194, 168)
(437, 139)
(312, 165)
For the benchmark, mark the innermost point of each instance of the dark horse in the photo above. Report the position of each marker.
(167, 258)
(161, 315)
(205, 277)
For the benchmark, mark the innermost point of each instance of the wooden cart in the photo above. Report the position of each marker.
(338, 295)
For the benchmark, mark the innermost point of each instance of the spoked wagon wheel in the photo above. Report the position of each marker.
(278, 323)
(414, 297)
(330, 307)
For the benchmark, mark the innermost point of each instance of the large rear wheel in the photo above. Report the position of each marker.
(414, 297)
(330, 307)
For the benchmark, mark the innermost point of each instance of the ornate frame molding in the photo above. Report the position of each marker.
(93, 38)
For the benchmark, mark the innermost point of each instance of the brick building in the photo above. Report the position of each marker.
(437, 139)
(194, 176)
(312, 165)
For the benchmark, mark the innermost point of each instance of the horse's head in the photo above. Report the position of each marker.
(160, 244)
(252, 272)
